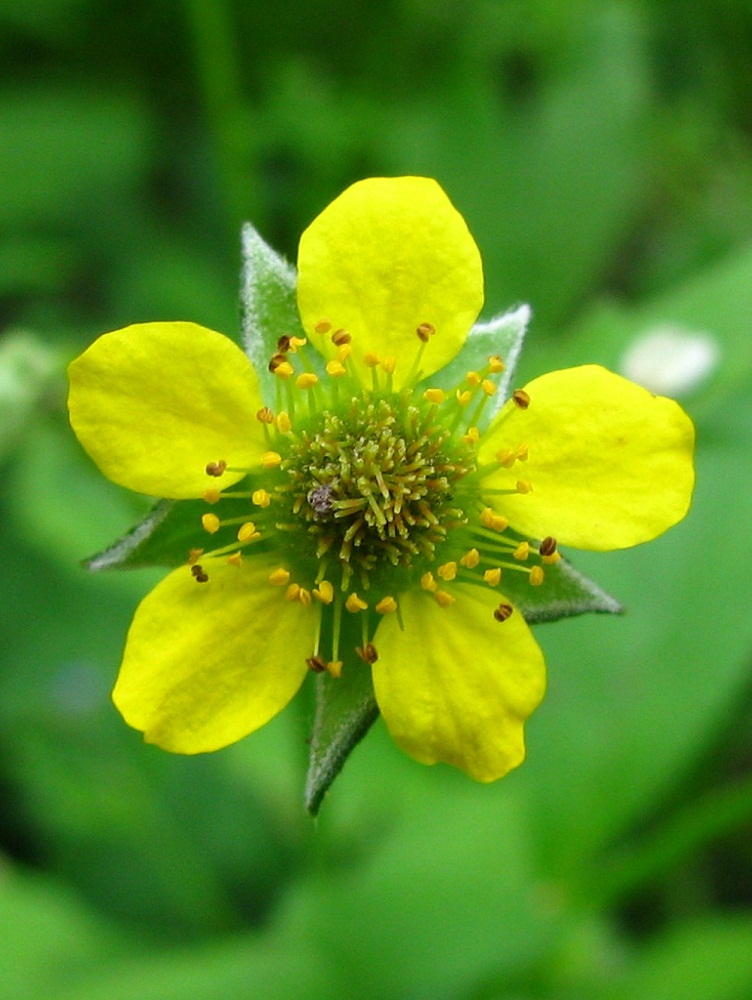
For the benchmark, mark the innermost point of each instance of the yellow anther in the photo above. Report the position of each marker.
(354, 603)
(235, 559)
(524, 486)
(434, 395)
(370, 360)
(307, 380)
(386, 605)
(495, 364)
(522, 552)
(293, 591)
(536, 576)
(335, 368)
(488, 386)
(323, 326)
(472, 436)
(261, 498)
(473, 379)
(344, 351)
(210, 523)
(522, 453)
(265, 415)
(284, 424)
(270, 458)
(304, 596)
(427, 582)
(284, 370)
(296, 342)
(279, 577)
(443, 598)
(464, 396)
(388, 365)
(247, 531)
(324, 592)
(335, 668)
(490, 519)
(492, 576)
(506, 457)
(553, 558)
(470, 559)
(447, 570)
(211, 495)
(521, 398)
(194, 555)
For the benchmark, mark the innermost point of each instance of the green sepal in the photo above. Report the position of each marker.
(345, 710)
(564, 593)
(167, 534)
(503, 335)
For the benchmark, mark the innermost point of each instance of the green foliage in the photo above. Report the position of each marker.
(602, 154)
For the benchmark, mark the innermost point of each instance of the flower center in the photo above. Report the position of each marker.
(374, 484)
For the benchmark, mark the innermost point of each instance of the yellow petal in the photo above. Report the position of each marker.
(154, 403)
(207, 663)
(457, 685)
(610, 464)
(388, 256)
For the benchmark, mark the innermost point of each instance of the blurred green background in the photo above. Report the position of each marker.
(602, 154)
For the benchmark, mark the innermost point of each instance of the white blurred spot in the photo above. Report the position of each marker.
(671, 360)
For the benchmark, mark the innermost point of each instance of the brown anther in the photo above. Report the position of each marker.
(265, 415)
(548, 546)
(424, 331)
(275, 361)
(316, 664)
(198, 574)
(367, 653)
(340, 337)
(503, 612)
(216, 468)
(283, 344)
(521, 398)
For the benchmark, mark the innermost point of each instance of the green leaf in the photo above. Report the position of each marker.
(345, 711)
(268, 302)
(564, 593)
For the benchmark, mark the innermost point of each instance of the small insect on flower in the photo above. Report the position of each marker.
(376, 499)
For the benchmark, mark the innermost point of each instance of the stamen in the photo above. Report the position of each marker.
(521, 398)
(522, 453)
(427, 582)
(524, 486)
(292, 592)
(488, 386)
(463, 396)
(279, 577)
(447, 571)
(247, 531)
(199, 575)
(354, 603)
(265, 415)
(194, 555)
(216, 468)
(276, 360)
(323, 326)
(340, 337)
(367, 653)
(503, 612)
(470, 559)
(235, 559)
(210, 523)
(522, 552)
(434, 395)
(492, 576)
(307, 380)
(270, 459)
(211, 495)
(536, 576)
(296, 342)
(304, 596)
(495, 364)
(388, 364)
(424, 331)
(335, 668)
(443, 598)
(260, 498)
(284, 424)
(371, 360)
(335, 368)
(548, 546)
(386, 605)
(316, 664)
(490, 519)
(283, 344)
(506, 457)
(324, 592)
(473, 379)
(283, 369)
(472, 436)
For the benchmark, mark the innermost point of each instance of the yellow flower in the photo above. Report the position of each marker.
(380, 515)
